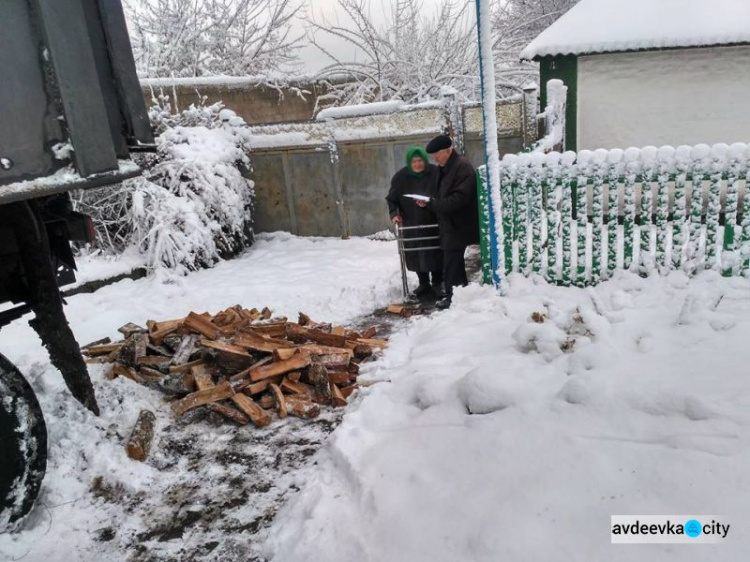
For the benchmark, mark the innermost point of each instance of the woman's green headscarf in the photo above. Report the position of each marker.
(419, 152)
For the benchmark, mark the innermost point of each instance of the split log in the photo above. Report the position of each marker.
(266, 313)
(318, 349)
(120, 370)
(266, 402)
(185, 350)
(303, 319)
(338, 377)
(362, 351)
(296, 362)
(202, 377)
(178, 383)
(201, 325)
(297, 388)
(337, 397)
(294, 376)
(301, 407)
(201, 397)
(228, 412)
(369, 333)
(272, 329)
(155, 361)
(284, 354)
(333, 360)
(318, 376)
(152, 349)
(300, 334)
(380, 344)
(89, 345)
(347, 391)
(102, 349)
(279, 400)
(249, 314)
(256, 387)
(129, 329)
(231, 357)
(184, 368)
(338, 331)
(163, 329)
(399, 310)
(150, 375)
(257, 415)
(253, 340)
(245, 374)
(139, 444)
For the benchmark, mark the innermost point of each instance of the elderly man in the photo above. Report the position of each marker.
(455, 203)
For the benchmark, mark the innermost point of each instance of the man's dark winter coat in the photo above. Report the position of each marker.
(455, 203)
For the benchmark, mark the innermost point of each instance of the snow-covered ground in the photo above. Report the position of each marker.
(491, 443)
(205, 491)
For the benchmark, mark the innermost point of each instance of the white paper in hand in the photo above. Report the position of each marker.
(417, 197)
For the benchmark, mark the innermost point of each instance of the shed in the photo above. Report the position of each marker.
(650, 72)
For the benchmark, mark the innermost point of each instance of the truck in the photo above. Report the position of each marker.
(72, 114)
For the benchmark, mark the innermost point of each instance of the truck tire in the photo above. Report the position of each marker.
(23, 442)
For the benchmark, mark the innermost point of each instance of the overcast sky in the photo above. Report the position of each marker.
(312, 58)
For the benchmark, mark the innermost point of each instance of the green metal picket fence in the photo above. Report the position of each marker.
(577, 218)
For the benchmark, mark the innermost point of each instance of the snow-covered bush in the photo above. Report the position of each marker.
(193, 203)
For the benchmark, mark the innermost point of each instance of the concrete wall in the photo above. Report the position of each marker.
(670, 97)
(338, 188)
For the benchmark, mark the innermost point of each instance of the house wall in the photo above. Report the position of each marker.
(670, 97)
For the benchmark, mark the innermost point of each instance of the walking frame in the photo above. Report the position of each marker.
(402, 249)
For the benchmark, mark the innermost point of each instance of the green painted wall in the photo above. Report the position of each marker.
(564, 68)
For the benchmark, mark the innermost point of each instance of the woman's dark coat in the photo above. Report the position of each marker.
(402, 183)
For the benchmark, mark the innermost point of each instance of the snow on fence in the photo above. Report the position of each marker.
(577, 218)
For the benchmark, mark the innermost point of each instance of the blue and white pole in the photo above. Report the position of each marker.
(491, 153)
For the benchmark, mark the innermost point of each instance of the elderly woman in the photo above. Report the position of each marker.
(418, 177)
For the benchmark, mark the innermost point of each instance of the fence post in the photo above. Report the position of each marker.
(486, 244)
(530, 131)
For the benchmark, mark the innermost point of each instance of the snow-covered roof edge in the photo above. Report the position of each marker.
(607, 26)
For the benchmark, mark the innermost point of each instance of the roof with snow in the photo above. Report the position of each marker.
(603, 26)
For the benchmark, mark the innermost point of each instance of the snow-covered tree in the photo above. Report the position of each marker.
(515, 24)
(187, 38)
(407, 52)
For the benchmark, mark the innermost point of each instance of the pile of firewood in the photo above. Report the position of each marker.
(243, 364)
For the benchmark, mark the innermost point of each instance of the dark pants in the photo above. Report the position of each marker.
(455, 270)
(424, 277)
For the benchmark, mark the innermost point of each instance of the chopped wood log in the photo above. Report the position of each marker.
(155, 361)
(249, 314)
(303, 319)
(89, 345)
(352, 335)
(338, 331)
(227, 411)
(294, 376)
(362, 351)
(201, 397)
(317, 349)
(266, 313)
(256, 387)
(252, 340)
(338, 377)
(202, 377)
(184, 368)
(279, 400)
(229, 356)
(266, 402)
(292, 387)
(150, 375)
(130, 328)
(139, 443)
(272, 329)
(333, 360)
(284, 353)
(120, 370)
(257, 415)
(380, 344)
(347, 391)
(337, 397)
(301, 407)
(201, 325)
(172, 342)
(163, 329)
(399, 310)
(178, 383)
(102, 349)
(318, 375)
(152, 349)
(369, 333)
(185, 350)
(296, 362)
(300, 334)
(245, 374)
